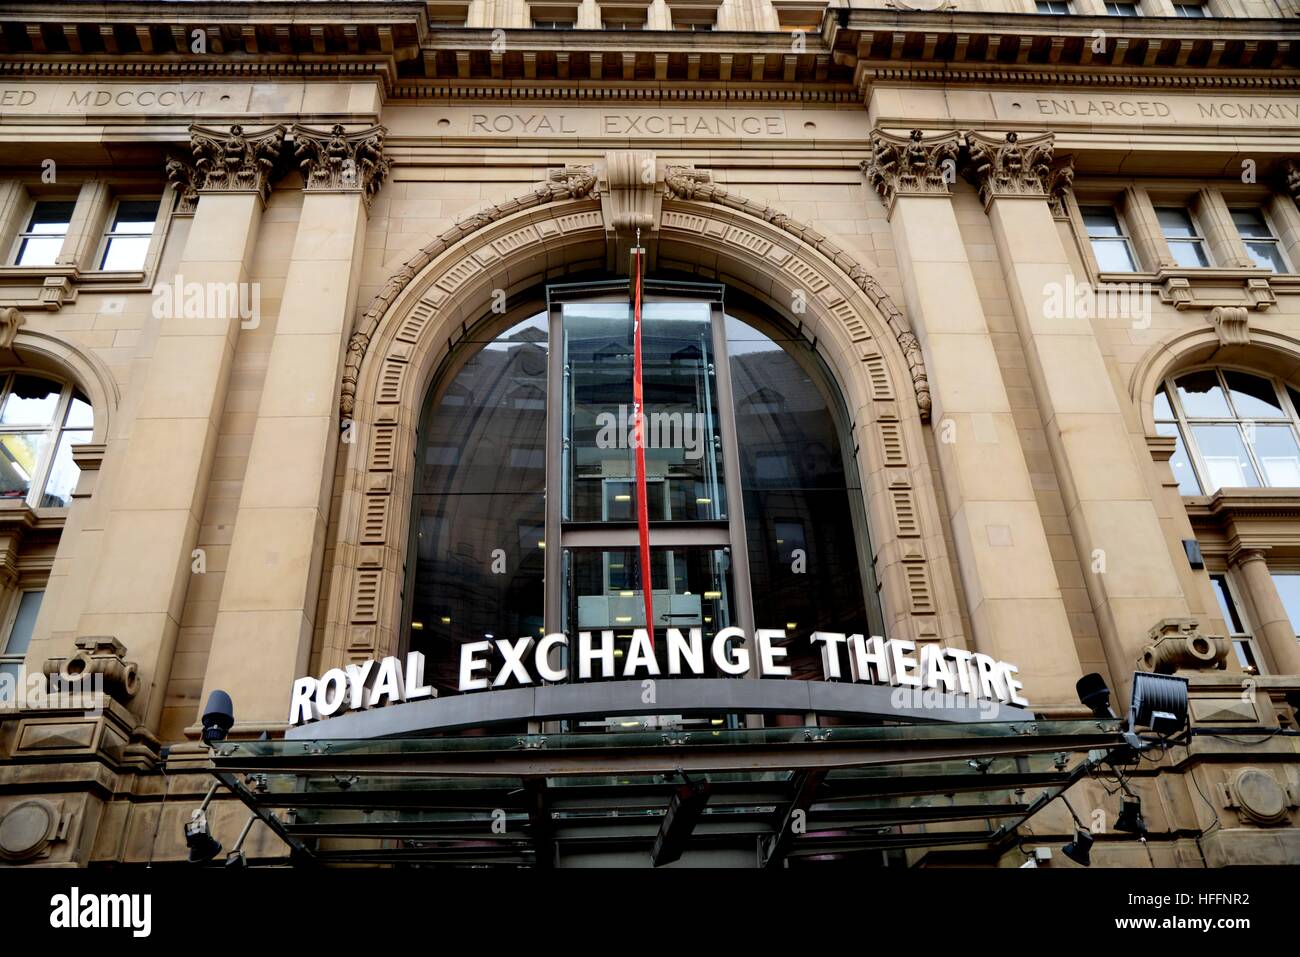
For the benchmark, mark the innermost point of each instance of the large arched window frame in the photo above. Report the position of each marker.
(698, 542)
(1233, 428)
(41, 418)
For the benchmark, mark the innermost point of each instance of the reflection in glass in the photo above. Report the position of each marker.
(63, 472)
(1179, 462)
(19, 456)
(1277, 453)
(1202, 396)
(1224, 452)
(683, 454)
(803, 554)
(1252, 396)
(479, 507)
(31, 401)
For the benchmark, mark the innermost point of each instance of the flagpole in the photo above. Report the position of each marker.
(638, 403)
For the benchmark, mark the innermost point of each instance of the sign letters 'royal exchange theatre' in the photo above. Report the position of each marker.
(450, 432)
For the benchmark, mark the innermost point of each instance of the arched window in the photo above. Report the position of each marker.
(1233, 429)
(525, 497)
(40, 420)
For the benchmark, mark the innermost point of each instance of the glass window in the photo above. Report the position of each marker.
(1109, 243)
(1054, 6)
(126, 243)
(1185, 242)
(1191, 9)
(1241, 431)
(42, 241)
(15, 644)
(698, 26)
(40, 421)
(1242, 642)
(1257, 234)
(554, 24)
(1122, 9)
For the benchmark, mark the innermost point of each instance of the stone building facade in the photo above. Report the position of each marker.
(1047, 255)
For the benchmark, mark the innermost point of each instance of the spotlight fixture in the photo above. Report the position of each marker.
(1159, 703)
(1130, 817)
(218, 717)
(1094, 695)
(1080, 849)
(684, 812)
(198, 838)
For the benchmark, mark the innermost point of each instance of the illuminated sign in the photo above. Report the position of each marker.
(526, 661)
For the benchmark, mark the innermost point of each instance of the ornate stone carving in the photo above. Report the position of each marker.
(1176, 645)
(1059, 181)
(185, 179)
(570, 182)
(1232, 324)
(100, 655)
(339, 160)
(236, 161)
(632, 175)
(1011, 166)
(912, 164)
(1258, 797)
(685, 183)
(1290, 178)
(11, 320)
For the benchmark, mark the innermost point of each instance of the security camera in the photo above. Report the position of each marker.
(218, 717)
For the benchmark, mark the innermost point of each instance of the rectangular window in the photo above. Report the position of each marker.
(624, 18)
(126, 242)
(1059, 7)
(1110, 245)
(1184, 239)
(19, 638)
(1257, 234)
(1242, 643)
(555, 23)
(1193, 10)
(1122, 9)
(40, 243)
(698, 26)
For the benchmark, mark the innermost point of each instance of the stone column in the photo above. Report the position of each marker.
(1221, 237)
(1006, 567)
(1271, 623)
(1128, 566)
(161, 484)
(267, 610)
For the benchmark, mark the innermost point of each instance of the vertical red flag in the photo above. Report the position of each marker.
(638, 405)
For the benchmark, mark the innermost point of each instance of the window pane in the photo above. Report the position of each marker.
(1189, 254)
(39, 251)
(479, 506)
(10, 677)
(1224, 454)
(1164, 411)
(125, 253)
(1175, 222)
(1202, 396)
(800, 520)
(1251, 224)
(1101, 221)
(1114, 255)
(80, 413)
(1252, 396)
(51, 218)
(1226, 606)
(20, 636)
(1277, 454)
(1288, 587)
(135, 216)
(1266, 256)
(19, 457)
(63, 472)
(1179, 461)
(32, 401)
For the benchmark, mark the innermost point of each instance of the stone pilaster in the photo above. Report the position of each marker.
(1128, 565)
(267, 610)
(1006, 567)
(144, 565)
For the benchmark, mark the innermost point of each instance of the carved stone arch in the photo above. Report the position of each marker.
(1267, 352)
(42, 352)
(559, 230)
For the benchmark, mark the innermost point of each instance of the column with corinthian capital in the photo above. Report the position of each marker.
(267, 610)
(1006, 567)
(160, 483)
(1128, 563)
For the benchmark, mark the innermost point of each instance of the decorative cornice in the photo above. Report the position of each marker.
(571, 182)
(911, 165)
(1098, 76)
(337, 160)
(1011, 167)
(236, 161)
(685, 183)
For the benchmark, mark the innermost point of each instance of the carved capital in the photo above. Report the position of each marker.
(911, 165)
(1232, 324)
(1012, 166)
(184, 178)
(337, 160)
(11, 320)
(237, 161)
